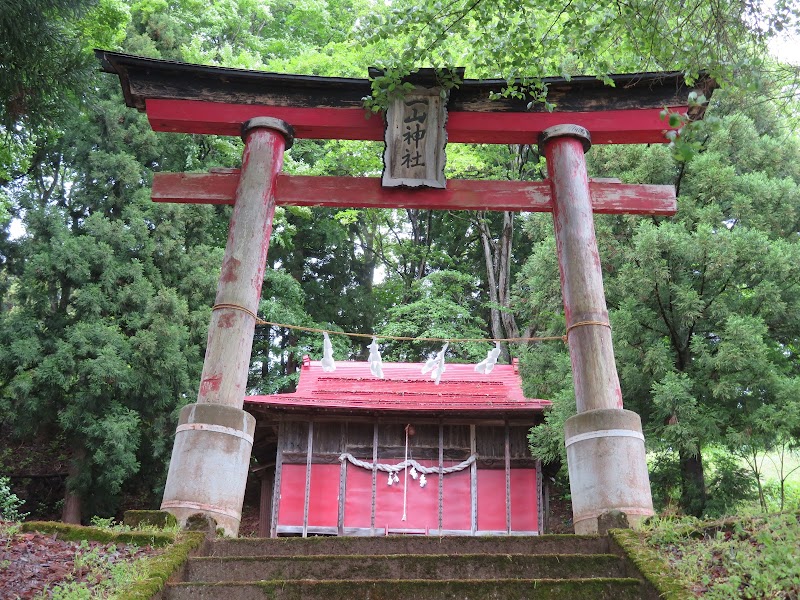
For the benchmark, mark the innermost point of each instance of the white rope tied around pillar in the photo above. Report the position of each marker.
(386, 468)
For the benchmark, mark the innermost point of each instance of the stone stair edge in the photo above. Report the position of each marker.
(463, 557)
(611, 588)
(408, 545)
(428, 539)
(323, 582)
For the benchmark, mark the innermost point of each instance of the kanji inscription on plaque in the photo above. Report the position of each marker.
(415, 139)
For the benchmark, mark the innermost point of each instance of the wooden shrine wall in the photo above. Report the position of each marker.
(316, 493)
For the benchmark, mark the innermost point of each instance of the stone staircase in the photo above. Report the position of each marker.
(411, 567)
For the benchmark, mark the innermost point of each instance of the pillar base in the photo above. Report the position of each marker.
(209, 465)
(607, 468)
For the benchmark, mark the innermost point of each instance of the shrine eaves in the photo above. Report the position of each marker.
(181, 97)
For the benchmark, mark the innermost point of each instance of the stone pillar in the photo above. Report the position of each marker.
(211, 454)
(605, 445)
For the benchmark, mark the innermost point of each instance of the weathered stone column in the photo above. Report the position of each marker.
(211, 454)
(605, 445)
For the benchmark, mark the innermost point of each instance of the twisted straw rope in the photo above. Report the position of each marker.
(406, 463)
(399, 338)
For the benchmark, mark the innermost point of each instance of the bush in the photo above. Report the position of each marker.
(730, 485)
(10, 503)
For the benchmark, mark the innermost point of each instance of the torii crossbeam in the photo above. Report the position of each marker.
(605, 445)
(219, 187)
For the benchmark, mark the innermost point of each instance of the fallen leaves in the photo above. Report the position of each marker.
(32, 563)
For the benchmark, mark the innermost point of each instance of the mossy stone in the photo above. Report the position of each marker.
(152, 518)
(202, 523)
(158, 569)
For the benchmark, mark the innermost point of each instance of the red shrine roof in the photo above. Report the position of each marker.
(351, 387)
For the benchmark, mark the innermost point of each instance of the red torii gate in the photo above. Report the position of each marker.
(605, 445)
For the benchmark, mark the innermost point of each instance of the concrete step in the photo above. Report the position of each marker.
(414, 567)
(497, 589)
(373, 546)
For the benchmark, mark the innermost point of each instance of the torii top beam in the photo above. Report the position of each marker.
(181, 97)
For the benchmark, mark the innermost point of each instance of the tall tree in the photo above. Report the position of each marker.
(105, 291)
(97, 348)
(704, 304)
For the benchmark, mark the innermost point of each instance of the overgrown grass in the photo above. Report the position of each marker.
(741, 557)
(102, 578)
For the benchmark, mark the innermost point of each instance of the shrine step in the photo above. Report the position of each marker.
(553, 567)
(373, 546)
(498, 589)
(410, 567)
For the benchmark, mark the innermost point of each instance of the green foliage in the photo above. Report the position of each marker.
(104, 26)
(730, 485)
(439, 307)
(10, 503)
(145, 519)
(386, 87)
(77, 533)
(523, 42)
(101, 345)
(41, 57)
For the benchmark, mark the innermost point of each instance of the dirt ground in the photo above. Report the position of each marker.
(32, 563)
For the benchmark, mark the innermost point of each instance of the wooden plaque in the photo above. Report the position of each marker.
(415, 138)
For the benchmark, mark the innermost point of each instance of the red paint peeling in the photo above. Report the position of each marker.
(226, 320)
(593, 369)
(618, 394)
(210, 384)
(366, 192)
(265, 243)
(230, 267)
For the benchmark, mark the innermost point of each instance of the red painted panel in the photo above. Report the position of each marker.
(524, 506)
(358, 497)
(292, 497)
(456, 503)
(422, 510)
(491, 500)
(635, 126)
(367, 192)
(323, 498)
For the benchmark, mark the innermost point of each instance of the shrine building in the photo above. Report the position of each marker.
(351, 454)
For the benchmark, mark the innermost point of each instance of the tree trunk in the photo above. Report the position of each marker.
(491, 279)
(504, 275)
(497, 259)
(421, 224)
(71, 512)
(693, 484)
